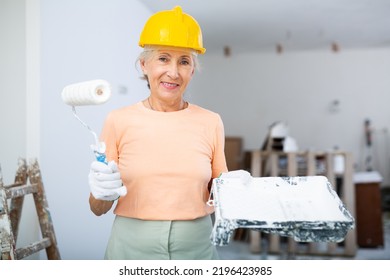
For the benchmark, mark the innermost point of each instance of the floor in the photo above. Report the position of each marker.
(239, 250)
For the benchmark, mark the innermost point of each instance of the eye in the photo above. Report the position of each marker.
(163, 58)
(185, 61)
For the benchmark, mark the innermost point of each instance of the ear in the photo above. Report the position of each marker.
(143, 66)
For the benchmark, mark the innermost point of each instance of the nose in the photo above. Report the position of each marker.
(173, 71)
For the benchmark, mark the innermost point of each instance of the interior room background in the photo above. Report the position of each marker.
(323, 96)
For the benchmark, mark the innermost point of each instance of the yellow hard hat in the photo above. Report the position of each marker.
(172, 28)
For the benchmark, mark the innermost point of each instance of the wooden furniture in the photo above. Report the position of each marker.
(368, 209)
(233, 153)
(27, 181)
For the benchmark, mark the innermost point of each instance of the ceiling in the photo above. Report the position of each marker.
(287, 25)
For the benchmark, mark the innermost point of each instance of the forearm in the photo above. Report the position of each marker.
(99, 207)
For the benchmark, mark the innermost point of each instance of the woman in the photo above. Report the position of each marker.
(165, 151)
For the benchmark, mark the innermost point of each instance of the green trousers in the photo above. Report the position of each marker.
(134, 239)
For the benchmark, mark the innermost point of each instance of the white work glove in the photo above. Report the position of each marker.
(244, 175)
(105, 181)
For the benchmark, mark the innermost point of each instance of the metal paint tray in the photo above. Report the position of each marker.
(305, 208)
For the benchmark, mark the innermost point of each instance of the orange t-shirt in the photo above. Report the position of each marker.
(166, 160)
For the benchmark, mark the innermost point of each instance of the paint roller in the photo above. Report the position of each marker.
(94, 92)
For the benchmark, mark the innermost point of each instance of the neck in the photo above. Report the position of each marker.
(157, 105)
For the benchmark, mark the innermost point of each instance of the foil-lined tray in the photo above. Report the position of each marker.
(306, 208)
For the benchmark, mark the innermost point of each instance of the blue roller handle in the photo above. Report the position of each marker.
(101, 157)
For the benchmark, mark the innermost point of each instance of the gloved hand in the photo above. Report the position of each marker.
(105, 181)
(244, 175)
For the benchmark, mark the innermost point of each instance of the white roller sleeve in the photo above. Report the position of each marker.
(93, 92)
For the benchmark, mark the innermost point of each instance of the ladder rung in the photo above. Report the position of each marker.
(21, 253)
(21, 190)
(13, 185)
(28, 180)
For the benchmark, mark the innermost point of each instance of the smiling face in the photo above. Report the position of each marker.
(169, 71)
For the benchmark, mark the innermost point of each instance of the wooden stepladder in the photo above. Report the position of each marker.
(28, 180)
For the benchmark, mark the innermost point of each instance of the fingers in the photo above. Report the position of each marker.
(101, 167)
(122, 191)
(107, 177)
(102, 172)
(244, 175)
(105, 181)
(236, 174)
(114, 167)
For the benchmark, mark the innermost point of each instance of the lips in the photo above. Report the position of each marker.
(169, 85)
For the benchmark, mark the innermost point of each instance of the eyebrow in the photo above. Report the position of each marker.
(182, 56)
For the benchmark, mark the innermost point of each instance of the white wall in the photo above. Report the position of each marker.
(18, 132)
(251, 91)
(13, 84)
(83, 40)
